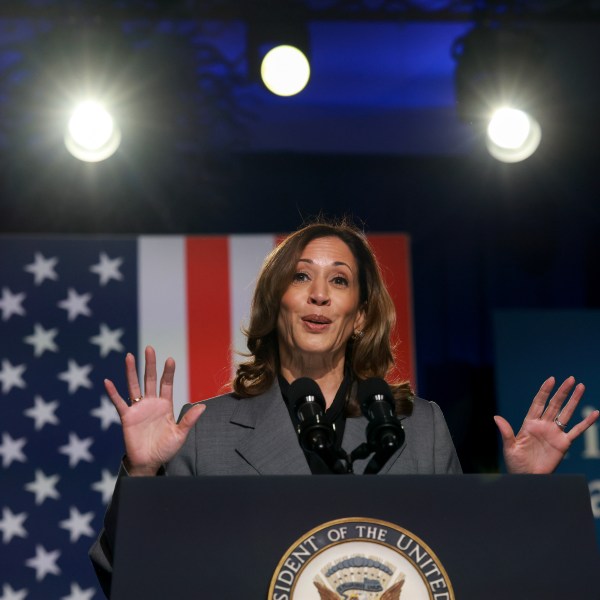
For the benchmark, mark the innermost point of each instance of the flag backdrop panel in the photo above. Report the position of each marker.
(69, 311)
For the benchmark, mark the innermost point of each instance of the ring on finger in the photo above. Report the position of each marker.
(139, 398)
(558, 422)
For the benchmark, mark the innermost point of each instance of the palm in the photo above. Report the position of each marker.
(538, 448)
(541, 444)
(150, 432)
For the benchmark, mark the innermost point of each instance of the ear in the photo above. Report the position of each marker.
(361, 318)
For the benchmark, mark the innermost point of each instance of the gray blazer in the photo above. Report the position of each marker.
(255, 436)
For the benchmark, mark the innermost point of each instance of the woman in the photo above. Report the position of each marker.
(320, 310)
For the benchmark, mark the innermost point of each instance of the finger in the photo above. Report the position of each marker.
(578, 429)
(191, 416)
(115, 397)
(506, 431)
(166, 381)
(133, 383)
(150, 372)
(558, 399)
(569, 408)
(539, 401)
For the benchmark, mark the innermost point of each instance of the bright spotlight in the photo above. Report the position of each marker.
(92, 135)
(503, 66)
(285, 70)
(512, 135)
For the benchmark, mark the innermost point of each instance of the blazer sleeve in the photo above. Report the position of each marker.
(428, 447)
(444, 453)
(101, 552)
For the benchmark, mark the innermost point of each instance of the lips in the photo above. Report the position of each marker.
(316, 323)
(316, 319)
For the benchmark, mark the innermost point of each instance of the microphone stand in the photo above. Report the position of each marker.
(314, 433)
(384, 431)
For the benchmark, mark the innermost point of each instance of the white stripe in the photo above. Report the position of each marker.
(162, 292)
(246, 256)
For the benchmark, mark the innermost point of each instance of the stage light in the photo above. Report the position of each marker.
(278, 47)
(90, 125)
(512, 135)
(501, 85)
(285, 70)
(92, 134)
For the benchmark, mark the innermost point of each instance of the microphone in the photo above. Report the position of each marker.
(384, 431)
(308, 404)
(314, 433)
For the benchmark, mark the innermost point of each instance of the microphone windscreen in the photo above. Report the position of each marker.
(303, 387)
(372, 387)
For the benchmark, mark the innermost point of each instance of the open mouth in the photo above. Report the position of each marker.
(316, 320)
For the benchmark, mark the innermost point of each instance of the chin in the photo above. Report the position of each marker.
(324, 349)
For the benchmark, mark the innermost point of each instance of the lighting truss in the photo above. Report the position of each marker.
(362, 10)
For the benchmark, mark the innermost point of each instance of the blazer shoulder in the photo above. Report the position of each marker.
(430, 439)
(241, 410)
(424, 411)
(228, 400)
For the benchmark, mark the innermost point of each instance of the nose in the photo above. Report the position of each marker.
(318, 294)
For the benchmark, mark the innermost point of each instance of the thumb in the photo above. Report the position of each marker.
(506, 431)
(191, 416)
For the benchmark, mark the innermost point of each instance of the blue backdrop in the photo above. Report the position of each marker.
(532, 345)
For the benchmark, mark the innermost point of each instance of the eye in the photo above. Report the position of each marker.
(300, 276)
(340, 280)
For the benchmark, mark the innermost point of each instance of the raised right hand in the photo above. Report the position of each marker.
(152, 436)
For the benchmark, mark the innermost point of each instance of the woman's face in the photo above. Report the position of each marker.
(320, 310)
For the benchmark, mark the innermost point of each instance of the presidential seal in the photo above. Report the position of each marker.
(360, 559)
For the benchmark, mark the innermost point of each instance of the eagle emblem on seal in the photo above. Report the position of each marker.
(359, 577)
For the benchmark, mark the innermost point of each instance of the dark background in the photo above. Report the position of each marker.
(375, 136)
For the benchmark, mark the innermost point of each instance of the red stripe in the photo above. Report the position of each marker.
(208, 315)
(393, 254)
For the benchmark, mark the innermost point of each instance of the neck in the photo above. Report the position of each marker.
(328, 376)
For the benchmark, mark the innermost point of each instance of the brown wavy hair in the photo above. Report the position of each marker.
(370, 355)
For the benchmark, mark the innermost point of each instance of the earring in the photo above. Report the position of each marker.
(359, 333)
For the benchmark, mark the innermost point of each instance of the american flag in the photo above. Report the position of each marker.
(69, 311)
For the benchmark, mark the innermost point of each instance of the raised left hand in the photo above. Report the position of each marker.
(543, 439)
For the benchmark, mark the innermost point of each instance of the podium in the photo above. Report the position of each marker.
(496, 537)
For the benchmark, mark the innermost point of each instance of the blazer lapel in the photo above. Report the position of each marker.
(270, 444)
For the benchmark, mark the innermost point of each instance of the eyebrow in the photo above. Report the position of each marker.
(337, 263)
